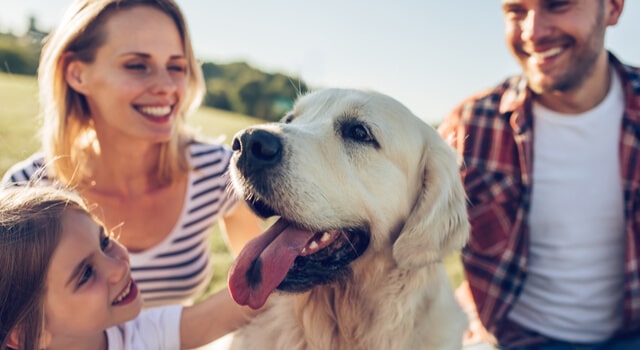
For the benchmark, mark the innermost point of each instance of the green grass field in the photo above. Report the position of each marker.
(18, 139)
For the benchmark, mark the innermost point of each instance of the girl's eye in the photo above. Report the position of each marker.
(105, 243)
(86, 274)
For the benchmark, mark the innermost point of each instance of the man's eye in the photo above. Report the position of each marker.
(514, 12)
(555, 6)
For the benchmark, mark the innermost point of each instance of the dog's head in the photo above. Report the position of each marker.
(352, 174)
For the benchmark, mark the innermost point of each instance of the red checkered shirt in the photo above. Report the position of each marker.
(493, 132)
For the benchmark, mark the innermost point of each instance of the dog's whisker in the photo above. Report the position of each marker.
(353, 247)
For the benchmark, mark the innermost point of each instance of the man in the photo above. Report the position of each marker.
(551, 165)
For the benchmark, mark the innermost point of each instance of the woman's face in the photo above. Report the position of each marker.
(136, 83)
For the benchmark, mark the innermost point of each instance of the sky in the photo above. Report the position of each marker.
(428, 54)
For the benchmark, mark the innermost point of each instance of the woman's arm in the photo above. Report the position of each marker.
(240, 226)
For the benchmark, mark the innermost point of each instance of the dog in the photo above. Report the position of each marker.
(369, 201)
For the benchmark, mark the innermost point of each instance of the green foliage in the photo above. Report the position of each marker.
(18, 58)
(236, 87)
(244, 89)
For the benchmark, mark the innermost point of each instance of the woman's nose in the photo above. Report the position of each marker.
(164, 82)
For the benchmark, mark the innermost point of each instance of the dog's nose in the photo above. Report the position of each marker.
(258, 149)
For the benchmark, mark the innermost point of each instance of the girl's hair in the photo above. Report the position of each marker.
(67, 133)
(30, 229)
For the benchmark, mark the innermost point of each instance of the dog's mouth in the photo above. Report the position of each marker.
(290, 258)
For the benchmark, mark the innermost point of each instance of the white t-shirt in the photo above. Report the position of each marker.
(575, 279)
(154, 329)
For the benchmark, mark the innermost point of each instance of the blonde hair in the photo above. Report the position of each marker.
(30, 230)
(67, 132)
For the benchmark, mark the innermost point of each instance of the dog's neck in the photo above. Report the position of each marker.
(354, 307)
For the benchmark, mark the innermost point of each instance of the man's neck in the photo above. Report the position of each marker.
(584, 97)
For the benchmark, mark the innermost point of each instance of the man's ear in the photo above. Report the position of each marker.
(75, 75)
(614, 8)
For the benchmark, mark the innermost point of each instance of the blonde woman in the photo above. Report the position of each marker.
(116, 80)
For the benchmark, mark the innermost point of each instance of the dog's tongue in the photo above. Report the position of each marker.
(264, 262)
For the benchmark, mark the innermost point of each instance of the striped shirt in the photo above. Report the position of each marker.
(178, 269)
(493, 132)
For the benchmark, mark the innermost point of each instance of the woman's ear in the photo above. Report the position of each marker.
(75, 75)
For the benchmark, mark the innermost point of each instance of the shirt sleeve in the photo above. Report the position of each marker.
(156, 328)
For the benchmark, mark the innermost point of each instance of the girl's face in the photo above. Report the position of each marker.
(89, 285)
(135, 84)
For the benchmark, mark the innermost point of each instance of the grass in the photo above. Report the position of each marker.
(18, 140)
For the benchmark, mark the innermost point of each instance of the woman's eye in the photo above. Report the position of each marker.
(86, 274)
(178, 68)
(136, 67)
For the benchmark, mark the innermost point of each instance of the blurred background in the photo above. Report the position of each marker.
(427, 54)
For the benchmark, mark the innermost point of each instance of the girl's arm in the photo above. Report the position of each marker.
(212, 318)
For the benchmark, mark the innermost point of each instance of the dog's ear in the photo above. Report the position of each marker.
(438, 223)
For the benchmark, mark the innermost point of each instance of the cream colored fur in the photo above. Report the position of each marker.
(405, 187)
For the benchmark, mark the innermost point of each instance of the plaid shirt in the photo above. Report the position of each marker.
(493, 132)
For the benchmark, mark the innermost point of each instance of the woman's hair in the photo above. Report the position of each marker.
(30, 229)
(67, 132)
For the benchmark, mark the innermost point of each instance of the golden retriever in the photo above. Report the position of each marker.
(369, 200)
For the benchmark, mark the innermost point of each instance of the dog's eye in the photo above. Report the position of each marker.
(358, 132)
(287, 118)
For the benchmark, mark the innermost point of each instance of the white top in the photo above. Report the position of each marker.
(178, 269)
(575, 278)
(154, 329)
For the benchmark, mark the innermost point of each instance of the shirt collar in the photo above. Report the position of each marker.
(517, 97)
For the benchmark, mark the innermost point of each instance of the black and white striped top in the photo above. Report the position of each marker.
(178, 269)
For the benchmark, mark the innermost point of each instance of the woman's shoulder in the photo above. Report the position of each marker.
(30, 169)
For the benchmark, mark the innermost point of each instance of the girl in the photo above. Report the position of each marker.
(66, 284)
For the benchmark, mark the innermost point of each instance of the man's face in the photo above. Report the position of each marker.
(556, 42)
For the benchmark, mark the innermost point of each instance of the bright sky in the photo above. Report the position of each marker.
(427, 54)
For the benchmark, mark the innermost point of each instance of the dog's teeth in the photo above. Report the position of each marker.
(304, 250)
(325, 237)
(313, 245)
